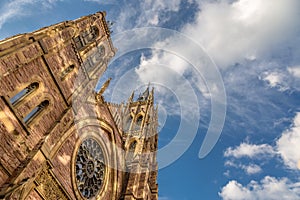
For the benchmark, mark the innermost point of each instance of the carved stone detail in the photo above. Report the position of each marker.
(90, 168)
(48, 186)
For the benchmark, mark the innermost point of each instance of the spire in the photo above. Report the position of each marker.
(130, 99)
(144, 96)
(151, 96)
(102, 89)
(104, 86)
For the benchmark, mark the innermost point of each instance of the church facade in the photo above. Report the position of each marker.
(60, 139)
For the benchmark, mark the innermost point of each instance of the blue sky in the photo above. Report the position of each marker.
(192, 51)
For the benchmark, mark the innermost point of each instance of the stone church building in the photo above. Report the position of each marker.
(59, 138)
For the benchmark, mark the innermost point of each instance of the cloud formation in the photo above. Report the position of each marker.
(267, 188)
(165, 71)
(250, 150)
(153, 16)
(252, 169)
(288, 145)
(145, 13)
(276, 79)
(294, 71)
(16, 8)
(249, 169)
(232, 31)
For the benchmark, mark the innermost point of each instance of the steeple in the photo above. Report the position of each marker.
(130, 99)
(59, 138)
(99, 94)
(144, 95)
(140, 139)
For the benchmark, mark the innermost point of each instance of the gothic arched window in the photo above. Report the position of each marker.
(90, 35)
(67, 71)
(24, 93)
(89, 168)
(131, 151)
(138, 122)
(132, 146)
(78, 42)
(36, 111)
(86, 37)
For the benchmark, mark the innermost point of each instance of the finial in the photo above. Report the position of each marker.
(102, 89)
(130, 99)
(144, 96)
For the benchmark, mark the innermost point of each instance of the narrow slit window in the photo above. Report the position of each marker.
(139, 120)
(89, 64)
(23, 93)
(101, 50)
(95, 32)
(132, 146)
(67, 71)
(36, 111)
(85, 37)
(78, 42)
(138, 123)
(90, 35)
(131, 151)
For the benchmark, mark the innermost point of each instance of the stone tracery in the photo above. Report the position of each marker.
(90, 168)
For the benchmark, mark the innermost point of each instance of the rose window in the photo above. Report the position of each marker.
(89, 168)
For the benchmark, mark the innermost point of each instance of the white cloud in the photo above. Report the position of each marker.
(287, 79)
(166, 71)
(145, 13)
(227, 173)
(229, 163)
(252, 169)
(249, 29)
(234, 191)
(17, 8)
(267, 188)
(229, 30)
(273, 79)
(152, 10)
(158, 57)
(288, 145)
(276, 79)
(250, 150)
(12, 9)
(248, 169)
(295, 71)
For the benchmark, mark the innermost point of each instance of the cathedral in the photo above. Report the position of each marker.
(60, 138)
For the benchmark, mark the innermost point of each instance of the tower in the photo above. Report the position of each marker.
(60, 139)
(140, 138)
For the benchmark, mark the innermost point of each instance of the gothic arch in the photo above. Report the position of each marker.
(25, 92)
(132, 144)
(36, 112)
(138, 121)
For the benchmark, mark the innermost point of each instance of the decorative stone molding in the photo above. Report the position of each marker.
(48, 186)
